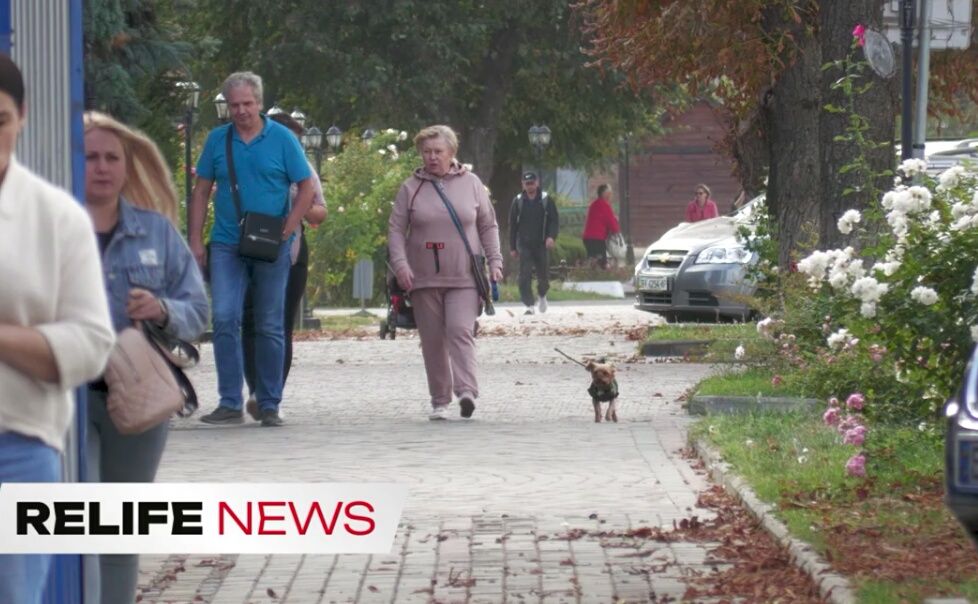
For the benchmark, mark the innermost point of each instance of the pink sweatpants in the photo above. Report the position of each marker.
(446, 323)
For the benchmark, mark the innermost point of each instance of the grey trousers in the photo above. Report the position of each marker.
(114, 457)
(534, 260)
(446, 323)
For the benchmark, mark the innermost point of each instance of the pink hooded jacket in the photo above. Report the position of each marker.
(422, 236)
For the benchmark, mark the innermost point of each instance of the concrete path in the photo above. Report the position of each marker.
(529, 502)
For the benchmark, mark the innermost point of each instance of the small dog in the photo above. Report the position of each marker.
(603, 389)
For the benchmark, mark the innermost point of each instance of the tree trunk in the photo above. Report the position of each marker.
(791, 121)
(878, 105)
(751, 152)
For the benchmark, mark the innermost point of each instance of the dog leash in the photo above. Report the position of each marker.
(570, 357)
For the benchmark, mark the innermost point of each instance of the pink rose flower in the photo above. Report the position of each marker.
(856, 436)
(831, 416)
(855, 401)
(776, 380)
(856, 466)
(859, 33)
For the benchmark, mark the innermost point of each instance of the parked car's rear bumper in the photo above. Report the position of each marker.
(703, 290)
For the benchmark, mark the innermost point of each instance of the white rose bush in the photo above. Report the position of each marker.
(908, 285)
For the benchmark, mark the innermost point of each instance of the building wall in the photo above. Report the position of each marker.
(664, 170)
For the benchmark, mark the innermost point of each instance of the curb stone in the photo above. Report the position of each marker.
(701, 404)
(832, 586)
(675, 348)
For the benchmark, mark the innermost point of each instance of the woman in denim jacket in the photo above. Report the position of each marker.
(150, 275)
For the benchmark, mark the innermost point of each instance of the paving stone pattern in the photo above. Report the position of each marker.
(529, 502)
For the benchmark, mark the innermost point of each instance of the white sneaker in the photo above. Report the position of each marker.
(528, 311)
(543, 304)
(438, 413)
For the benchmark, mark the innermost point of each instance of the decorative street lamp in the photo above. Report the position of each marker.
(539, 138)
(368, 135)
(334, 137)
(313, 141)
(221, 106)
(191, 92)
(274, 110)
(299, 117)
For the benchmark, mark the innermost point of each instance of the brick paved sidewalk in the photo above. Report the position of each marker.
(491, 502)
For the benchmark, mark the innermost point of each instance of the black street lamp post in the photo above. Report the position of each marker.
(625, 205)
(191, 92)
(908, 11)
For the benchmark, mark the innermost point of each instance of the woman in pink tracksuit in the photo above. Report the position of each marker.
(430, 261)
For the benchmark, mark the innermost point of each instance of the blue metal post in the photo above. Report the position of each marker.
(66, 582)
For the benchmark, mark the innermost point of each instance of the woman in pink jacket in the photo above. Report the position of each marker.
(431, 262)
(702, 207)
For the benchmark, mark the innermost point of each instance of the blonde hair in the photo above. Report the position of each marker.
(434, 132)
(149, 183)
(705, 188)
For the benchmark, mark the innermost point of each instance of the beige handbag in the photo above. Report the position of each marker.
(145, 379)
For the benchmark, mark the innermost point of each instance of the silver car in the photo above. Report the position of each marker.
(699, 270)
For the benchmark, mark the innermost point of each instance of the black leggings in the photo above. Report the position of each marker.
(296, 286)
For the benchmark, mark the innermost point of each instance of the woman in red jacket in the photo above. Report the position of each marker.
(599, 224)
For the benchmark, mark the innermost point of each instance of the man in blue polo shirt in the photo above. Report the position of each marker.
(267, 160)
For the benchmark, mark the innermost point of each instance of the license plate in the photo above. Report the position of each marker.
(966, 463)
(656, 284)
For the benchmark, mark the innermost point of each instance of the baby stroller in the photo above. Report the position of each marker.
(400, 313)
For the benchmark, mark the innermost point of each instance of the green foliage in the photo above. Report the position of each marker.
(569, 249)
(490, 70)
(361, 183)
(134, 56)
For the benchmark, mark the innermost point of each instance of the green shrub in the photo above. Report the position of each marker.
(361, 183)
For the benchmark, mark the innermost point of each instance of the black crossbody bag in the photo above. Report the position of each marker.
(261, 234)
(477, 262)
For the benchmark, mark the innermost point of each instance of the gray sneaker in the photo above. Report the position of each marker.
(223, 415)
(270, 419)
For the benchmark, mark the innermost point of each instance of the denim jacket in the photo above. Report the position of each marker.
(146, 251)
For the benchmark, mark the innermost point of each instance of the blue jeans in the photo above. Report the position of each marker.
(25, 459)
(231, 275)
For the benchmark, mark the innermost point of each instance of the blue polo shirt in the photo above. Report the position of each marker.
(265, 168)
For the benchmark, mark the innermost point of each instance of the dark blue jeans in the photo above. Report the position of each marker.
(25, 459)
(231, 275)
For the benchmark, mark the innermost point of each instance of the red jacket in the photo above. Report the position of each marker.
(600, 221)
(694, 213)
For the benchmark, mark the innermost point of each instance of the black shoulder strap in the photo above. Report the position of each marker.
(480, 283)
(231, 175)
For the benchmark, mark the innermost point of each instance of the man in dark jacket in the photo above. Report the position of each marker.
(533, 227)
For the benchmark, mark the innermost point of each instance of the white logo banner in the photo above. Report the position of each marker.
(199, 518)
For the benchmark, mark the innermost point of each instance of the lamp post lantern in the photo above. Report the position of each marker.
(274, 109)
(539, 138)
(191, 92)
(299, 117)
(221, 107)
(313, 141)
(334, 137)
(368, 135)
